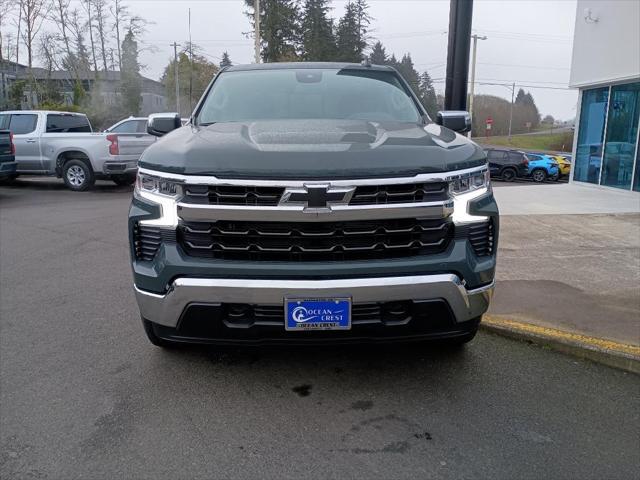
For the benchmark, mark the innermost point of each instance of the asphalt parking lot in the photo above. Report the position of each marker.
(84, 395)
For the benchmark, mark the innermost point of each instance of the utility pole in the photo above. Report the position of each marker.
(457, 77)
(256, 20)
(190, 66)
(177, 77)
(475, 37)
(513, 91)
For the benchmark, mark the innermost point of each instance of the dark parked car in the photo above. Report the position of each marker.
(7, 155)
(507, 164)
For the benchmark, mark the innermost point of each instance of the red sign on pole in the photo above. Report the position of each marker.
(489, 122)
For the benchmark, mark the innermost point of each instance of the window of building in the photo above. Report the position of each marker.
(622, 135)
(593, 113)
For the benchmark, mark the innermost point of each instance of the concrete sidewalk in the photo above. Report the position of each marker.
(577, 273)
(564, 199)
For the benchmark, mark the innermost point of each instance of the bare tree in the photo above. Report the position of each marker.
(59, 15)
(120, 14)
(100, 14)
(77, 28)
(6, 6)
(32, 12)
(87, 7)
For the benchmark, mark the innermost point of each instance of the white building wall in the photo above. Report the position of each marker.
(606, 45)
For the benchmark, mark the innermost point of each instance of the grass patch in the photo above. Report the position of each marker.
(554, 142)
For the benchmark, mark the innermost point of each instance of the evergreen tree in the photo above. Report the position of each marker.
(520, 97)
(279, 29)
(226, 60)
(428, 95)
(352, 39)
(378, 54)
(131, 81)
(409, 73)
(318, 41)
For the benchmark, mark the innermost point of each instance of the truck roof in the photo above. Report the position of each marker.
(301, 65)
(43, 111)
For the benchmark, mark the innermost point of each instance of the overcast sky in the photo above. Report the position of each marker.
(529, 42)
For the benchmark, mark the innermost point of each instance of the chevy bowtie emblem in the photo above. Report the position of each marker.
(316, 198)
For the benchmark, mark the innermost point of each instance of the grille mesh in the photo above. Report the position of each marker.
(311, 241)
(270, 196)
(233, 195)
(401, 193)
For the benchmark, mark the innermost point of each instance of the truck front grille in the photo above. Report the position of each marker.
(233, 195)
(311, 241)
(400, 193)
(270, 196)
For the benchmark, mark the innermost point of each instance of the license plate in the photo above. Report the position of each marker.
(317, 314)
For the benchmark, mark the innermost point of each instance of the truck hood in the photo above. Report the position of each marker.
(312, 149)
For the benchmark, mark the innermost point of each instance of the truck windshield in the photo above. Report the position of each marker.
(356, 94)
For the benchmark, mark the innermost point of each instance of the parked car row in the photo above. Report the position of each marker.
(510, 164)
(63, 144)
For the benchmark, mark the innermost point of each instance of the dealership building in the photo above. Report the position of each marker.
(606, 70)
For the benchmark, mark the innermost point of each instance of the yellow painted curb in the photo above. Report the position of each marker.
(563, 335)
(608, 352)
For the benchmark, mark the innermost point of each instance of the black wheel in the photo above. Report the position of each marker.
(123, 180)
(539, 175)
(77, 175)
(155, 339)
(509, 175)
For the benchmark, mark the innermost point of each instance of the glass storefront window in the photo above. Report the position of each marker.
(593, 113)
(621, 137)
(636, 182)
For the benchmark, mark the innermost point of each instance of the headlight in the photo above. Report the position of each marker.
(465, 189)
(470, 183)
(158, 185)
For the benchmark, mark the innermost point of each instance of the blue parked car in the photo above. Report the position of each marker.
(542, 167)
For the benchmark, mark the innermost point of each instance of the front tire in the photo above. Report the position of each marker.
(539, 175)
(123, 180)
(77, 175)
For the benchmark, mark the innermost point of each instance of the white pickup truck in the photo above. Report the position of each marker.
(63, 144)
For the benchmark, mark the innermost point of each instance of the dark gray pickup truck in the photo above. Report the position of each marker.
(7, 155)
(309, 203)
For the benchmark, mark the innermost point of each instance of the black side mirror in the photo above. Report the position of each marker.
(160, 124)
(456, 120)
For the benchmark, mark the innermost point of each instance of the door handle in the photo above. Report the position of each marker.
(31, 140)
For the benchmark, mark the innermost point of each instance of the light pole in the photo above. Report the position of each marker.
(256, 20)
(177, 77)
(475, 37)
(513, 90)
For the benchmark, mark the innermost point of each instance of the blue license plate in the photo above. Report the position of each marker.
(317, 314)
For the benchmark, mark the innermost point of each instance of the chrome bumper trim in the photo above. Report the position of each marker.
(212, 213)
(165, 309)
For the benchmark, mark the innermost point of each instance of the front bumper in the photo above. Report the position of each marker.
(167, 309)
(8, 168)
